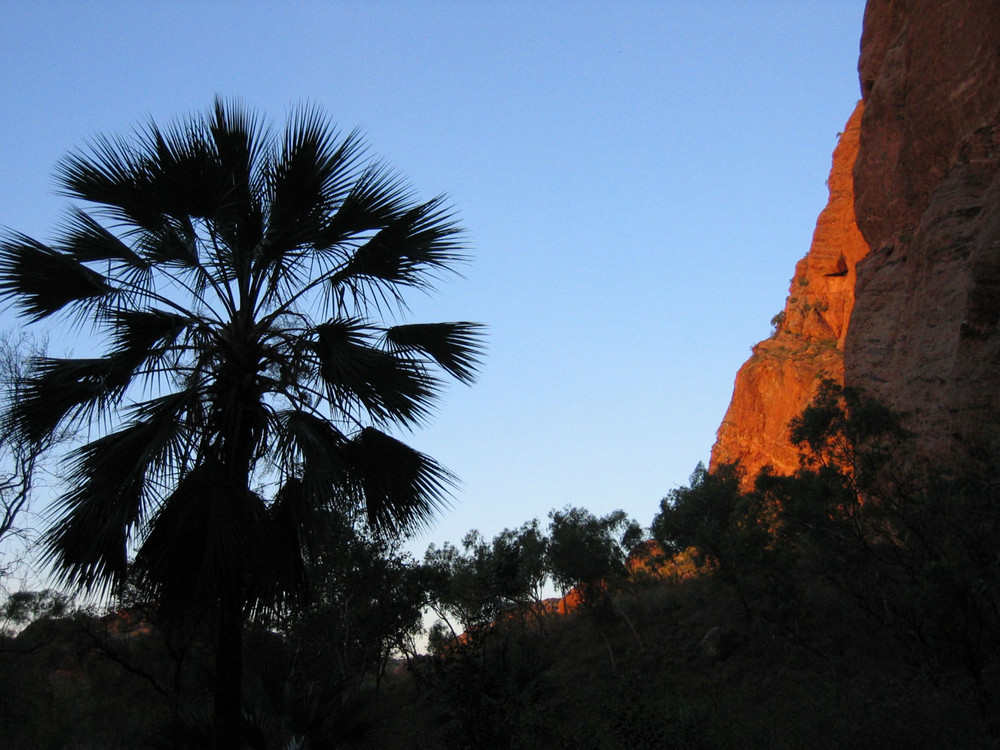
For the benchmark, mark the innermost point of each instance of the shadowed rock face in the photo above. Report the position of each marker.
(782, 375)
(916, 178)
(923, 336)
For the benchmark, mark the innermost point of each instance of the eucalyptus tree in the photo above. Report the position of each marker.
(246, 284)
(23, 463)
(483, 579)
(590, 554)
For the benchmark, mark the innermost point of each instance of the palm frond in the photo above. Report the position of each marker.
(170, 243)
(314, 444)
(201, 541)
(310, 176)
(154, 183)
(402, 488)
(144, 330)
(57, 390)
(87, 548)
(42, 281)
(412, 250)
(114, 173)
(114, 477)
(311, 143)
(457, 347)
(86, 240)
(279, 571)
(377, 198)
(356, 373)
(60, 389)
(185, 178)
(146, 343)
(241, 140)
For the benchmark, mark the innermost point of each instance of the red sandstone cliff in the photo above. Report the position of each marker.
(783, 373)
(916, 178)
(924, 336)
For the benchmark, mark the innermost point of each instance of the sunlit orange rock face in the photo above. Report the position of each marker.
(924, 334)
(784, 371)
(914, 321)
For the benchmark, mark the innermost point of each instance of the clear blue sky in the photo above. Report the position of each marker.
(638, 180)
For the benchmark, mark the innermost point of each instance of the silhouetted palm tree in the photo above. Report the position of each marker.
(240, 279)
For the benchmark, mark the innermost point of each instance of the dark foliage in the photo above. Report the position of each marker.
(237, 277)
(909, 549)
(853, 604)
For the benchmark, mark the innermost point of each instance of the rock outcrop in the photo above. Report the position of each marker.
(914, 320)
(784, 371)
(924, 336)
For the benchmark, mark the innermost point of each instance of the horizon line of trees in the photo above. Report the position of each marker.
(910, 551)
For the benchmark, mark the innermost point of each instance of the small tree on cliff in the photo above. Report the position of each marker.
(238, 276)
(846, 430)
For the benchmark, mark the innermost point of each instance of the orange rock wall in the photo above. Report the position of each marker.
(924, 335)
(784, 371)
(915, 321)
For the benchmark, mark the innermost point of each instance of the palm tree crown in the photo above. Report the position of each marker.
(240, 278)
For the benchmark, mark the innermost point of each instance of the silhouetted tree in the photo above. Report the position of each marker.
(22, 458)
(237, 276)
(462, 584)
(478, 582)
(366, 600)
(867, 526)
(590, 554)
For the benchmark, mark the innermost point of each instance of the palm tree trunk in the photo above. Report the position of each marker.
(227, 716)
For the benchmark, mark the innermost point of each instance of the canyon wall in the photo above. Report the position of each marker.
(784, 371)
(924, 336)
(900, 292)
